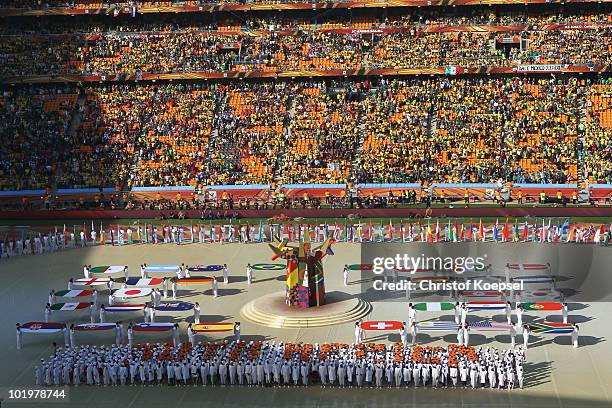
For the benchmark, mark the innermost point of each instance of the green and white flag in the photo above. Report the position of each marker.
(434, 306)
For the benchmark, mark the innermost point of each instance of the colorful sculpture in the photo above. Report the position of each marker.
(304, 273)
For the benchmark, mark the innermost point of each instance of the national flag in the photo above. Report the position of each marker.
(174, 307)
(488, 325)
(153, 327)
(361, 267)
(495, 231)
(162, 268)
(529, 267)
(433, 279)
(413, 271)
(516, 231)
(132, 292)
(534, 279)
(73, 293)
(485, 294)
(572, 234)
(112, 234)
(434, 306)
(125, 307)
(437, 230)
(381, 325)
(69, 306)
(260, 233)
(213, 327)
(91, 281)
(65, 236)
(538, 295)
(144, 282)
(107, 269)
(544, 306)
(205, 268)
(437, 326)
(525, 230)
(42, 327)
(597, 237)
(485, 305)
(481, 234)
(550, 328)
(506, 234)
(194, 280)
(429, 236)
(451, 70)
(94, 326)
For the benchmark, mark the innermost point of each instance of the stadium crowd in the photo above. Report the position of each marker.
(210, 52)
(386, 130)
(523, 130)
(597, 152)
(185, 44)
(257, 364)
(34, 133)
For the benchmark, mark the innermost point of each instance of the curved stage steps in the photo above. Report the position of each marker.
(271, 311)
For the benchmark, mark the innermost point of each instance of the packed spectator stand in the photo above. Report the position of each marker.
(519, 127)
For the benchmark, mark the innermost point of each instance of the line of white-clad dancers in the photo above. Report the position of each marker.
(238, 363)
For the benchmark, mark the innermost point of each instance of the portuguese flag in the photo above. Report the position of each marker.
(545, 306)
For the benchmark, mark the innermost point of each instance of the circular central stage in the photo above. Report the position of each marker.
(272, 311)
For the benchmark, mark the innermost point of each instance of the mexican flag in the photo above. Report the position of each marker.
(69, 306)
(73, 293)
